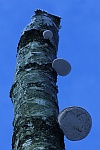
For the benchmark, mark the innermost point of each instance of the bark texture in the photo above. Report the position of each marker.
(34, 91)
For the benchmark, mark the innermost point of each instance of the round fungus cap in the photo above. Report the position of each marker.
(61, 66)
(75, 122)
(47, 34)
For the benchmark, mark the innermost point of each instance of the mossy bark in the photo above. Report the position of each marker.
(34, 91)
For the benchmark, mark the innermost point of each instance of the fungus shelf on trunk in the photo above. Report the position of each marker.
(34, 91)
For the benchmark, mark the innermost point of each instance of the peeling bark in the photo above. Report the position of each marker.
(34, 91)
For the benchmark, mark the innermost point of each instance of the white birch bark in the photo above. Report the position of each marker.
(34, 91)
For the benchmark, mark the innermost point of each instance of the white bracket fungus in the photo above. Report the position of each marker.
(61, 66)
(75, 122)
(47, 34)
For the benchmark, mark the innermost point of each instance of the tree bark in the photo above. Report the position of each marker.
(34, 91)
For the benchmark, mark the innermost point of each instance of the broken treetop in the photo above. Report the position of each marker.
(45, 19)
(40, 22)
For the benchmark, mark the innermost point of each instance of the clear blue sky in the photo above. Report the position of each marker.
(79, 44)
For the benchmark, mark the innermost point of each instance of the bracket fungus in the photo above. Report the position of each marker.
(61, 66)
(75, 123)
(47, 34)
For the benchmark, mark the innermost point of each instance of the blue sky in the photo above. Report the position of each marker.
(79, 44)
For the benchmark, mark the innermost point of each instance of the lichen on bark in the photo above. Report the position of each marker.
(34, 91)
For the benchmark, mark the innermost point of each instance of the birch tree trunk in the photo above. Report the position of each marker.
(34, 91)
